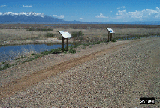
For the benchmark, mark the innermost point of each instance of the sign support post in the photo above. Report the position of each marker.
(67, 44)
(65, 35)
(111, 36)
(62, 44)
(108, 36)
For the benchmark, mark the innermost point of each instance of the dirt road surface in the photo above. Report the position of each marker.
(114, 76)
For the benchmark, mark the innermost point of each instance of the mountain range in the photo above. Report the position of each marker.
(40, 18)
(30, 17)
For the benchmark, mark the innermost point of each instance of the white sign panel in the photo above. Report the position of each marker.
(65, 34)
(111, 31)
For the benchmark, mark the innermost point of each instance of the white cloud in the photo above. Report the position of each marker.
(27, 6)
(2, 5)
(121, 12)
(61, 16)
(121, 7)
(110, 11)
(101, 16)
(81, 18)
(144, 14)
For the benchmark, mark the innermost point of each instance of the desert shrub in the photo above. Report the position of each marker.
(86, 44)
(22, 56)
(76, 44)
(37, 56)
(5, 66)
(98, 42)
(30, 59)
(45, 52)
(105, 41)
(50, 35)
(33, 54)
(72, 51)
(77, 35)
(80, 33)
(71, 46)
(113, 40)
(3, 62)
(55, 51)
(65, 52)
(52, 51)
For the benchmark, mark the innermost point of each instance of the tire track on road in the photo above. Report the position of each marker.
(32, 79)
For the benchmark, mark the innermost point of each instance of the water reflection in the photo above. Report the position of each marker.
(10, 52)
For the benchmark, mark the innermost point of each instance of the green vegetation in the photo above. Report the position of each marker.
(37, 56)
(65, 52)
(72, 51)
(113, 40)
(98, 42)
(50, 35)
(86, 44)
(5, 66)
(76, 44)
(33, 56)
(3, 62)
(52, 51)
(39, 29)
(77, 34)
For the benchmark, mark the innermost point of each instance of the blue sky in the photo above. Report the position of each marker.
(88, 10)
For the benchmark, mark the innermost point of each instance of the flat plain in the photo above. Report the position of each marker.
(18, 34)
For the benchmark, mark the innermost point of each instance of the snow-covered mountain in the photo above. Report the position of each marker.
(30, 17)
(40, 18)
(22, 13)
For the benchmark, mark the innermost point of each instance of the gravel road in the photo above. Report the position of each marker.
(115, 77)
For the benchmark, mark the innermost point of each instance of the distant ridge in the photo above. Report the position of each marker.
(40, 18)
(23, 17)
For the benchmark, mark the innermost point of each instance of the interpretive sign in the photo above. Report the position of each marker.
(65, 35)
(110, 32)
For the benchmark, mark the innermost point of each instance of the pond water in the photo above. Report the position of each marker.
(10, 52)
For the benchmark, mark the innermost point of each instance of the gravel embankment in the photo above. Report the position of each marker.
(47, 61)
(114, 79)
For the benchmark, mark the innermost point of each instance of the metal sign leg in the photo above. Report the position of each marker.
(62, 44)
